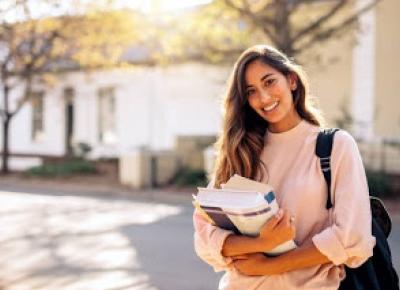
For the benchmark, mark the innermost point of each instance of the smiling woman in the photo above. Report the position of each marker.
(269, 134)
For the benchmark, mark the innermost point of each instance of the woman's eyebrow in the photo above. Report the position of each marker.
(263, 78)
(267, 75)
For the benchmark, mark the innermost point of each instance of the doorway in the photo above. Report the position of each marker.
(69, 120)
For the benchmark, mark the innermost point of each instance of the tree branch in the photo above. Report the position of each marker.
(317, 23)
(329, 32)
(263, 23)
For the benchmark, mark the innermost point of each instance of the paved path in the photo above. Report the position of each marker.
(89, 242)
(86, 242)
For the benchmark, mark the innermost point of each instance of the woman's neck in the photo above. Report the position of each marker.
(286, 124)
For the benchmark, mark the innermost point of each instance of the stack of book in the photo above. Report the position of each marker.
(242, 205)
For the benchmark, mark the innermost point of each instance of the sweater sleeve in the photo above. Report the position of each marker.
(208, 243)
(209, 240)
(349, 239)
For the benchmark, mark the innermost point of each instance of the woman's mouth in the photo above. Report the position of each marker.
(270, 107)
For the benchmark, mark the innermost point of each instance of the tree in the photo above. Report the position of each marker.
(32, 49)
(224, 28)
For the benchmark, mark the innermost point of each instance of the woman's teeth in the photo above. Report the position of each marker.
(270, 108)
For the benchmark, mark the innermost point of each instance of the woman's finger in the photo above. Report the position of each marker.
(276, 219)
(239, 257)
(285, 221)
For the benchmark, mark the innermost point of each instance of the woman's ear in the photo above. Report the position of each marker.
(292, 78)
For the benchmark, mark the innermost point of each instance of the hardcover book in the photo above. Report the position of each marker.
(242, 206)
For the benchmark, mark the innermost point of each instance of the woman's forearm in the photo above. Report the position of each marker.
(236, 245)
(304, 256)
(260, 265)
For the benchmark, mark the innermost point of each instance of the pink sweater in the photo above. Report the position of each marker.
(343, 234)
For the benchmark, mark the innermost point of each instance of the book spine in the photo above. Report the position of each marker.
(220, 218)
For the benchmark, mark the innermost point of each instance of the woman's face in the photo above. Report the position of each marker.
(269, 93)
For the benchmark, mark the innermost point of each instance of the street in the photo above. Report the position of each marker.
(69, 241)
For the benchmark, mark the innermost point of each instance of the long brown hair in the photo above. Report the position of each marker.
(242, 138)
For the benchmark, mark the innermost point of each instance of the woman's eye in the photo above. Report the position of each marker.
(250, 92)
(269, 82)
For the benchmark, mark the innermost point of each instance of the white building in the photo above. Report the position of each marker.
(116, 111)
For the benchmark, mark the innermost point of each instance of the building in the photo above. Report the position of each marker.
(117, 111)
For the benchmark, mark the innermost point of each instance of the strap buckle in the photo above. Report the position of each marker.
(325, 163)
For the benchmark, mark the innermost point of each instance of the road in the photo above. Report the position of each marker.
(89, 242)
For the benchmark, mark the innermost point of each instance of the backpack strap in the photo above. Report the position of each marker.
(323, 150)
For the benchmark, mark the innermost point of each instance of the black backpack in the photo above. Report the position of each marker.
(377, 273)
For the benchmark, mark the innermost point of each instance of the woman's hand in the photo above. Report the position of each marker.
(256, 264)
(277, 230)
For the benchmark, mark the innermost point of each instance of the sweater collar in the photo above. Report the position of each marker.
(294, 133)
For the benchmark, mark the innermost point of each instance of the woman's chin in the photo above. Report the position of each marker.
(271, 118)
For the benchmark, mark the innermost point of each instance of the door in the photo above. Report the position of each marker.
(69, 120)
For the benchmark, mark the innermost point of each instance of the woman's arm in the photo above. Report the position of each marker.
(302, 257)
(236, 245)
(259, 265)
(348, 239)
(276, 231)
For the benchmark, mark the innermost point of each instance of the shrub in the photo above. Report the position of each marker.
(65, 168)
(190, 177)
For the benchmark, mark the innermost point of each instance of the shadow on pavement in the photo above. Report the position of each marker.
(166, 254)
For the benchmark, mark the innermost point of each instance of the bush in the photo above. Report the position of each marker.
(190, 177)
(66, 168)
(380, 184)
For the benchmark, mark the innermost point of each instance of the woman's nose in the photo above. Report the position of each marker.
(264, 96)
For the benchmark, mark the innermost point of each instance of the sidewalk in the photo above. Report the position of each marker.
(99, 185)
(109, 189)
(108, 185)
(79, 240)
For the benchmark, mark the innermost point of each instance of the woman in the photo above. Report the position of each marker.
(269, 134)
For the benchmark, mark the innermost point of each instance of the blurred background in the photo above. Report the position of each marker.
(113, 107)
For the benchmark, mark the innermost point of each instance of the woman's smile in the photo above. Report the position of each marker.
(271, 107)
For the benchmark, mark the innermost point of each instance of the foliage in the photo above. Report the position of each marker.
(190, 177)
(222, 29)
(66, 168)
(99, 38)
(33, 48)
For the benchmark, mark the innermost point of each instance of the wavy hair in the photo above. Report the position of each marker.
(241, 141)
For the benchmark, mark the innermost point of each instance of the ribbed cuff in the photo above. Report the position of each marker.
(330, 246)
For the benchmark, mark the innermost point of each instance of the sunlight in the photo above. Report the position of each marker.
(92, 241)
(40, 9)
(150, 6)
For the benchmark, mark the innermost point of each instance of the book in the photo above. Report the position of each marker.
(242, 205)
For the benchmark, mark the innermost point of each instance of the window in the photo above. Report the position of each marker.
(107, 125)
(37, 115)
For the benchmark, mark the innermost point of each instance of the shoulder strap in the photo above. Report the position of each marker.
(323, 150)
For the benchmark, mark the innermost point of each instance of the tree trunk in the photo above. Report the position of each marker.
(6, 126)
(282, 28)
